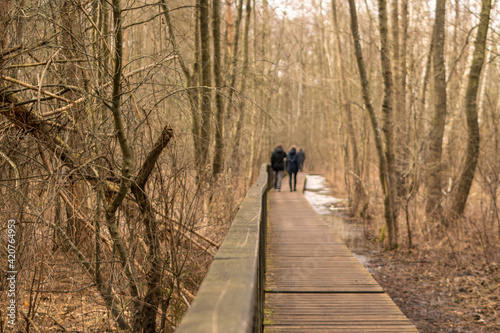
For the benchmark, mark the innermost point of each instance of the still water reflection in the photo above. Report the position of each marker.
(352, 234)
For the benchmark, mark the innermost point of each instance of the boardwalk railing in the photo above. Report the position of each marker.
(230, 298)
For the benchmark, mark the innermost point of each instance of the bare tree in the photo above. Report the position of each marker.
(206, 82)
(84, 128)
(218, 162)
(192, 77)
(434, 177)
(401, 127)
(383, 168)
(245, 65)
(358, 198)
(462, 188)
(387, 110)
(233, 63)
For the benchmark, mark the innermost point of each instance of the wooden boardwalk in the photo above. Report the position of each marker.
(313, 282)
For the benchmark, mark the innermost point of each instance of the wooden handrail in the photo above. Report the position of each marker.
(230, 298)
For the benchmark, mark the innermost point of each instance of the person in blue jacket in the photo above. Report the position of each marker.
(292, 167)
(278, 165)
(302, 157)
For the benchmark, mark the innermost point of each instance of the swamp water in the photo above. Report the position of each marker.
(319, 196)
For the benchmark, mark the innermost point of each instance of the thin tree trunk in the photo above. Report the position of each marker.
(233, 63)
(253, 121)
(152, 296)
(396, 71)
(358, 199)
(206, 82)
(400, 114)
(218, 162)
(69, 33)
(461, 191)
(191, 78)
(406, 171)
(4, 21)
(434, 176)
(127, 165)
(383, 171)
(387, 110)
(195, 97)
(103, 45)
(246, 45)
(496, 163)
(483, 85)
(229, 28)
(419, 127)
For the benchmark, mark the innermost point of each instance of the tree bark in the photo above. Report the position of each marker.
(387, 110)
(358, 199)
(192, 79)
(396, 62)
(229, 28)
(246, 44)
(401, 130)
(218, 162)
(434, 177)
(4, 21)
(72, 77)
(127, 164)
(232, 72)
(152, 295)
(461, 191)
(206, 82)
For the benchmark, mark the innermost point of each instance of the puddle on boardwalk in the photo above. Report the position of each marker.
(319, 196)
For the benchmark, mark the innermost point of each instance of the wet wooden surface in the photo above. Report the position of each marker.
(313, 282)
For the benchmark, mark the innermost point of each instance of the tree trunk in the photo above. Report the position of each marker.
(387, 110)
(419, 126)
(4, 21)
(434, 175)
(400, 114)
(127, 165)
(229, 29)
(192, 79)
(206, 82)
(358, 199)
(69, 33)
(461, 191)
(256, 72)
(233, 62)
(383, 171)
(152, 296)
(246, 46)
(396, 71)
(232, 66)
(218, 162)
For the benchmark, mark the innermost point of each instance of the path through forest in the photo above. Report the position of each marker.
(440, 290)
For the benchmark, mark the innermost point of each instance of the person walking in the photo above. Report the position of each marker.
(278, 165)
(292, 167)
(302, 157)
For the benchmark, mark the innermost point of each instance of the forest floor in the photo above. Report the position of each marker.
(449, 282)
(443, 291)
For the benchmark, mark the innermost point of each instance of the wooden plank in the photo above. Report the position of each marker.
(226, 300)
(368, 328)
(313, 282)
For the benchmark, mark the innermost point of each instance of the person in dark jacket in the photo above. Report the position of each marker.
(278, 165)
(292, 167)
(302, 157)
